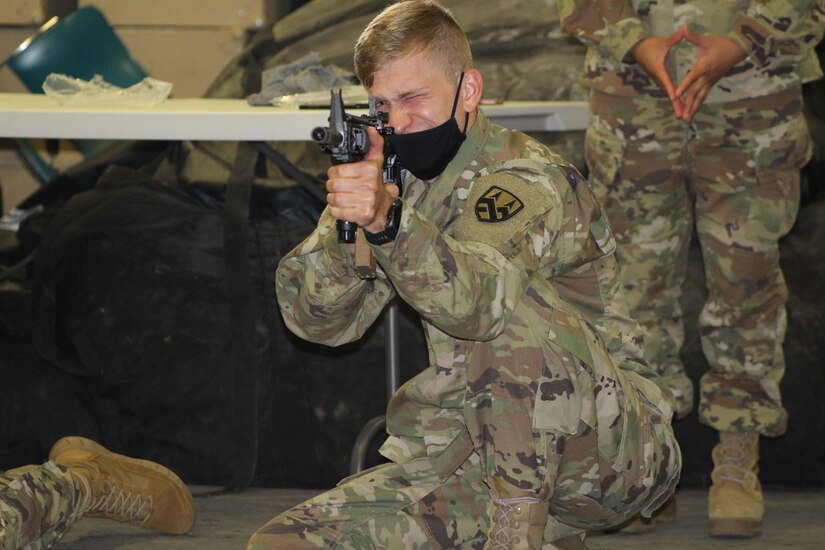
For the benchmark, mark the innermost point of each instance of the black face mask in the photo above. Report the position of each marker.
(427, 153)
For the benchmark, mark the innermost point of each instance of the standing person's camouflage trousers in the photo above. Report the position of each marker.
(38, 506)
(733, 174)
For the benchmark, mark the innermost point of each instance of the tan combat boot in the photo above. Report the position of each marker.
(126, 489)
(517, 524)
(640, 524)
(735, 507)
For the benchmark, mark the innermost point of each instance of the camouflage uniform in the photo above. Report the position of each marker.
(38, 505)
(536, 387)
(732, 173)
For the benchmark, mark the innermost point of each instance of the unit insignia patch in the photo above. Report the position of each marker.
(497, 205)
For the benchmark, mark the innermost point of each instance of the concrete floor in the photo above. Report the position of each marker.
(793, 519)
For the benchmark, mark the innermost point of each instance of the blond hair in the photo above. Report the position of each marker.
(409, 28)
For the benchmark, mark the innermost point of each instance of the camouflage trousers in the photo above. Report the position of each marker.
(37, 506)
(411, 505)
(732, 176)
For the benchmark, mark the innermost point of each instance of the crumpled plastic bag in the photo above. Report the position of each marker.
(283, 85)
(75, 91)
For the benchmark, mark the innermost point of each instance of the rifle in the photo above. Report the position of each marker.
(346, 140)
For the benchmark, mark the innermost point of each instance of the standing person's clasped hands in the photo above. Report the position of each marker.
(717, 55)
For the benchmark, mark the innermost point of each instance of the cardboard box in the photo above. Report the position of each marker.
(21, 12)
(184, 13)
(189, 58)
(16, 180)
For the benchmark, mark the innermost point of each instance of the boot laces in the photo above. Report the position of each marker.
(733, 454)
(503, 525)
(116, 502)
(504, 522)
(84, 497)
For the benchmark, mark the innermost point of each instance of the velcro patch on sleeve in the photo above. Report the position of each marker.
(498, 207)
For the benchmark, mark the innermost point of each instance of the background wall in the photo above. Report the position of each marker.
(18, 20)
(186, 42)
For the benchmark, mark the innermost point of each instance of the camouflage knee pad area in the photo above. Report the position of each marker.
(403, 504)
(408, 506)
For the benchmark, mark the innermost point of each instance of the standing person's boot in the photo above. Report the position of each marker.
(735, 506)
(517, 524)
(117, 487)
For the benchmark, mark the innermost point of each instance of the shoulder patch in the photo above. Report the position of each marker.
(497, 205)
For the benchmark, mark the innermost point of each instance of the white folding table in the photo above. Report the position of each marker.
(40, 116)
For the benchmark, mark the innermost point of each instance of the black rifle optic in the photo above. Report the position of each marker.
(346, 140)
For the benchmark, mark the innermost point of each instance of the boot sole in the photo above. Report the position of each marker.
(572, 542)
(735, 528)
(76, 442)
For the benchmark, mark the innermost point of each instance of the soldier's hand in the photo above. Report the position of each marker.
(717, 55)
(651, 53)
(356, 190)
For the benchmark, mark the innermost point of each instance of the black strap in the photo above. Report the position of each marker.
(310, 184)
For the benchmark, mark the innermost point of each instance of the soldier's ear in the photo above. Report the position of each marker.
(472, 86)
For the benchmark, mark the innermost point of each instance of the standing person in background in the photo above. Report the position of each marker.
(696, 124)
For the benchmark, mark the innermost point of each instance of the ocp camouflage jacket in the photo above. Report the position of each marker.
(506, 257)
(779, 37)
